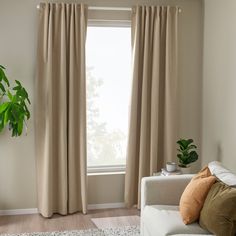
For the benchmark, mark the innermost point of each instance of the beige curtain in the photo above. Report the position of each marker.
(61, 109)
(152, 132)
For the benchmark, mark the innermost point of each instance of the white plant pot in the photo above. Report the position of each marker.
(171, 166)
(186, 170)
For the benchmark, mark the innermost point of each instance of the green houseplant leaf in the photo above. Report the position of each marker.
(186, 152)
(13, 105)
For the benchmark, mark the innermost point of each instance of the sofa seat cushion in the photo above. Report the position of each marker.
(166, 220)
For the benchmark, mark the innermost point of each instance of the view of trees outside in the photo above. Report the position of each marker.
(108, 54)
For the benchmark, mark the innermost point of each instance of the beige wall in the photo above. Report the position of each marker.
(219, 83)
(18, 30)
(106, 189)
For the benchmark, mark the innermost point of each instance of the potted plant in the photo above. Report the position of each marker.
(186, 154)
(13, 105)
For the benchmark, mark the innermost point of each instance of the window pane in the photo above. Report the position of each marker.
(108, 55)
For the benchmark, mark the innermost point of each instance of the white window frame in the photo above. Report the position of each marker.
(107, 168)
(109, 23)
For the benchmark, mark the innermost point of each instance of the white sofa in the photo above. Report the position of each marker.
(160, 215)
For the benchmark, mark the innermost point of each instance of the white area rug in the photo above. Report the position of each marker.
(122, 231)
(119, 221)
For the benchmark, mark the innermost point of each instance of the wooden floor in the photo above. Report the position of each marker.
(36, 223)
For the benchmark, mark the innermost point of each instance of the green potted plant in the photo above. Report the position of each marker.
(14, 103)
(186, 154)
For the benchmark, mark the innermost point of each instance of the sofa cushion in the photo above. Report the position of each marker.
(220, 205)
(223, 174)
(194, 195)
(165, 220)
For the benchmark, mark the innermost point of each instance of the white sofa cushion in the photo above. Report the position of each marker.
(223, 174)
(163, 220)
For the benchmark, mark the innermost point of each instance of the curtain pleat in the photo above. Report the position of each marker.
(61, 109)
(152, 130)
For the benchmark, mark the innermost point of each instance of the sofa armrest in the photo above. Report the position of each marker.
(163, 190)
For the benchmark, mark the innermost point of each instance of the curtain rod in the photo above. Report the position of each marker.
(106, 8)
(111, 8)
(117, 8)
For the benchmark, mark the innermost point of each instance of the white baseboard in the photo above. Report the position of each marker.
(106, 205)
(35, 210)
(18, 212)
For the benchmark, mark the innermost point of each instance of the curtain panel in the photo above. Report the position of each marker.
(152, 130)
(61, 109)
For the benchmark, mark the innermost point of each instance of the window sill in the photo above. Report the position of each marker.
(106, 173)
(106, 170)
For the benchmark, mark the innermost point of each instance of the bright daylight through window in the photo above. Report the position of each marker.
(108, 58)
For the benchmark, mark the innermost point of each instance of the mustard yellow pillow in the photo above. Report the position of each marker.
(194, 195)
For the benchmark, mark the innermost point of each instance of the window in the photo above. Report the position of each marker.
(108, 58)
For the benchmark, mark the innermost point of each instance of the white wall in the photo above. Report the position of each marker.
(18, 32)
(219, 83)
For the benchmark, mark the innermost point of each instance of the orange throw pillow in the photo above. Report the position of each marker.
(194, 195)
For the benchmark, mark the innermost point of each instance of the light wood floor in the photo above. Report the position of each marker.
(36, 223)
